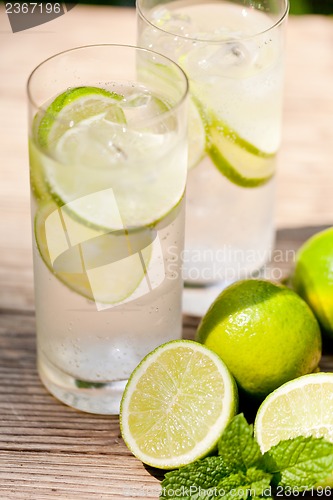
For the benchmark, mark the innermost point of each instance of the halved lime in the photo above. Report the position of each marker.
(106, 268)
(301, 407)
(176, 404)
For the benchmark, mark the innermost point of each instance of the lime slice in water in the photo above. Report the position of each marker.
(239, 160)
(94, 141)
(176, 404)
(106, 268)
(69, 108)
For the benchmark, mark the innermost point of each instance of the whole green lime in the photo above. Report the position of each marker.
(265, 334)
(313, 276)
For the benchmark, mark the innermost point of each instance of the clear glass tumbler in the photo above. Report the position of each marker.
(232, 52)
(108, 166)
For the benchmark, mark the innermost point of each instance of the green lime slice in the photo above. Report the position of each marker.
(70, 107)
(105, 268)
(38, 185)
(95, 154)
(176, 404)
(237, 159)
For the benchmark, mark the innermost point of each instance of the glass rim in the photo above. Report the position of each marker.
(177, 104)
(281, 19)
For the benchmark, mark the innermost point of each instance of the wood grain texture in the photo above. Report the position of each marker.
(50, 451)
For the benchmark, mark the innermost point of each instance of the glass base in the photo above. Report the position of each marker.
(100, 398)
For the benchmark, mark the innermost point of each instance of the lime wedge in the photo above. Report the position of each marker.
(105, 268)
(176, 404)
(301, 407)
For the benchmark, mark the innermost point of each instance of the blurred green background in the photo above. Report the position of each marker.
(297, 7)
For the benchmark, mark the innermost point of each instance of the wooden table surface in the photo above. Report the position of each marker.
(48, 450)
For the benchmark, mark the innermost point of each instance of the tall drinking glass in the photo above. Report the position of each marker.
(232, 52)
(108, 164)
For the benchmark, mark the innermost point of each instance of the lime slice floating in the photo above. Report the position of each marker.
(71, 107)
(37, 177)
(301, 407)
(67, 110)
(176, 404)
(237, 159)
(106, 268)
(91, 139)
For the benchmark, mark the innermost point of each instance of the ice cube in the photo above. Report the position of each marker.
(225, 59)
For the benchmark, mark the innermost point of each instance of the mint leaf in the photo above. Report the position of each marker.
(193, 480)
(210, 478)
(300, 462)
(254, 483)
(237, 445)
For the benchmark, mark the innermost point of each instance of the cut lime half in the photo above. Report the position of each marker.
(301, 407)
(176, 404)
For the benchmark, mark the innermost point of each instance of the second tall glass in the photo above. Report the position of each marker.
(232, 52)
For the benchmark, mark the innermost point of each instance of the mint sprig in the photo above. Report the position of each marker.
(254, 483)
(241, 472)
(197, 477)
